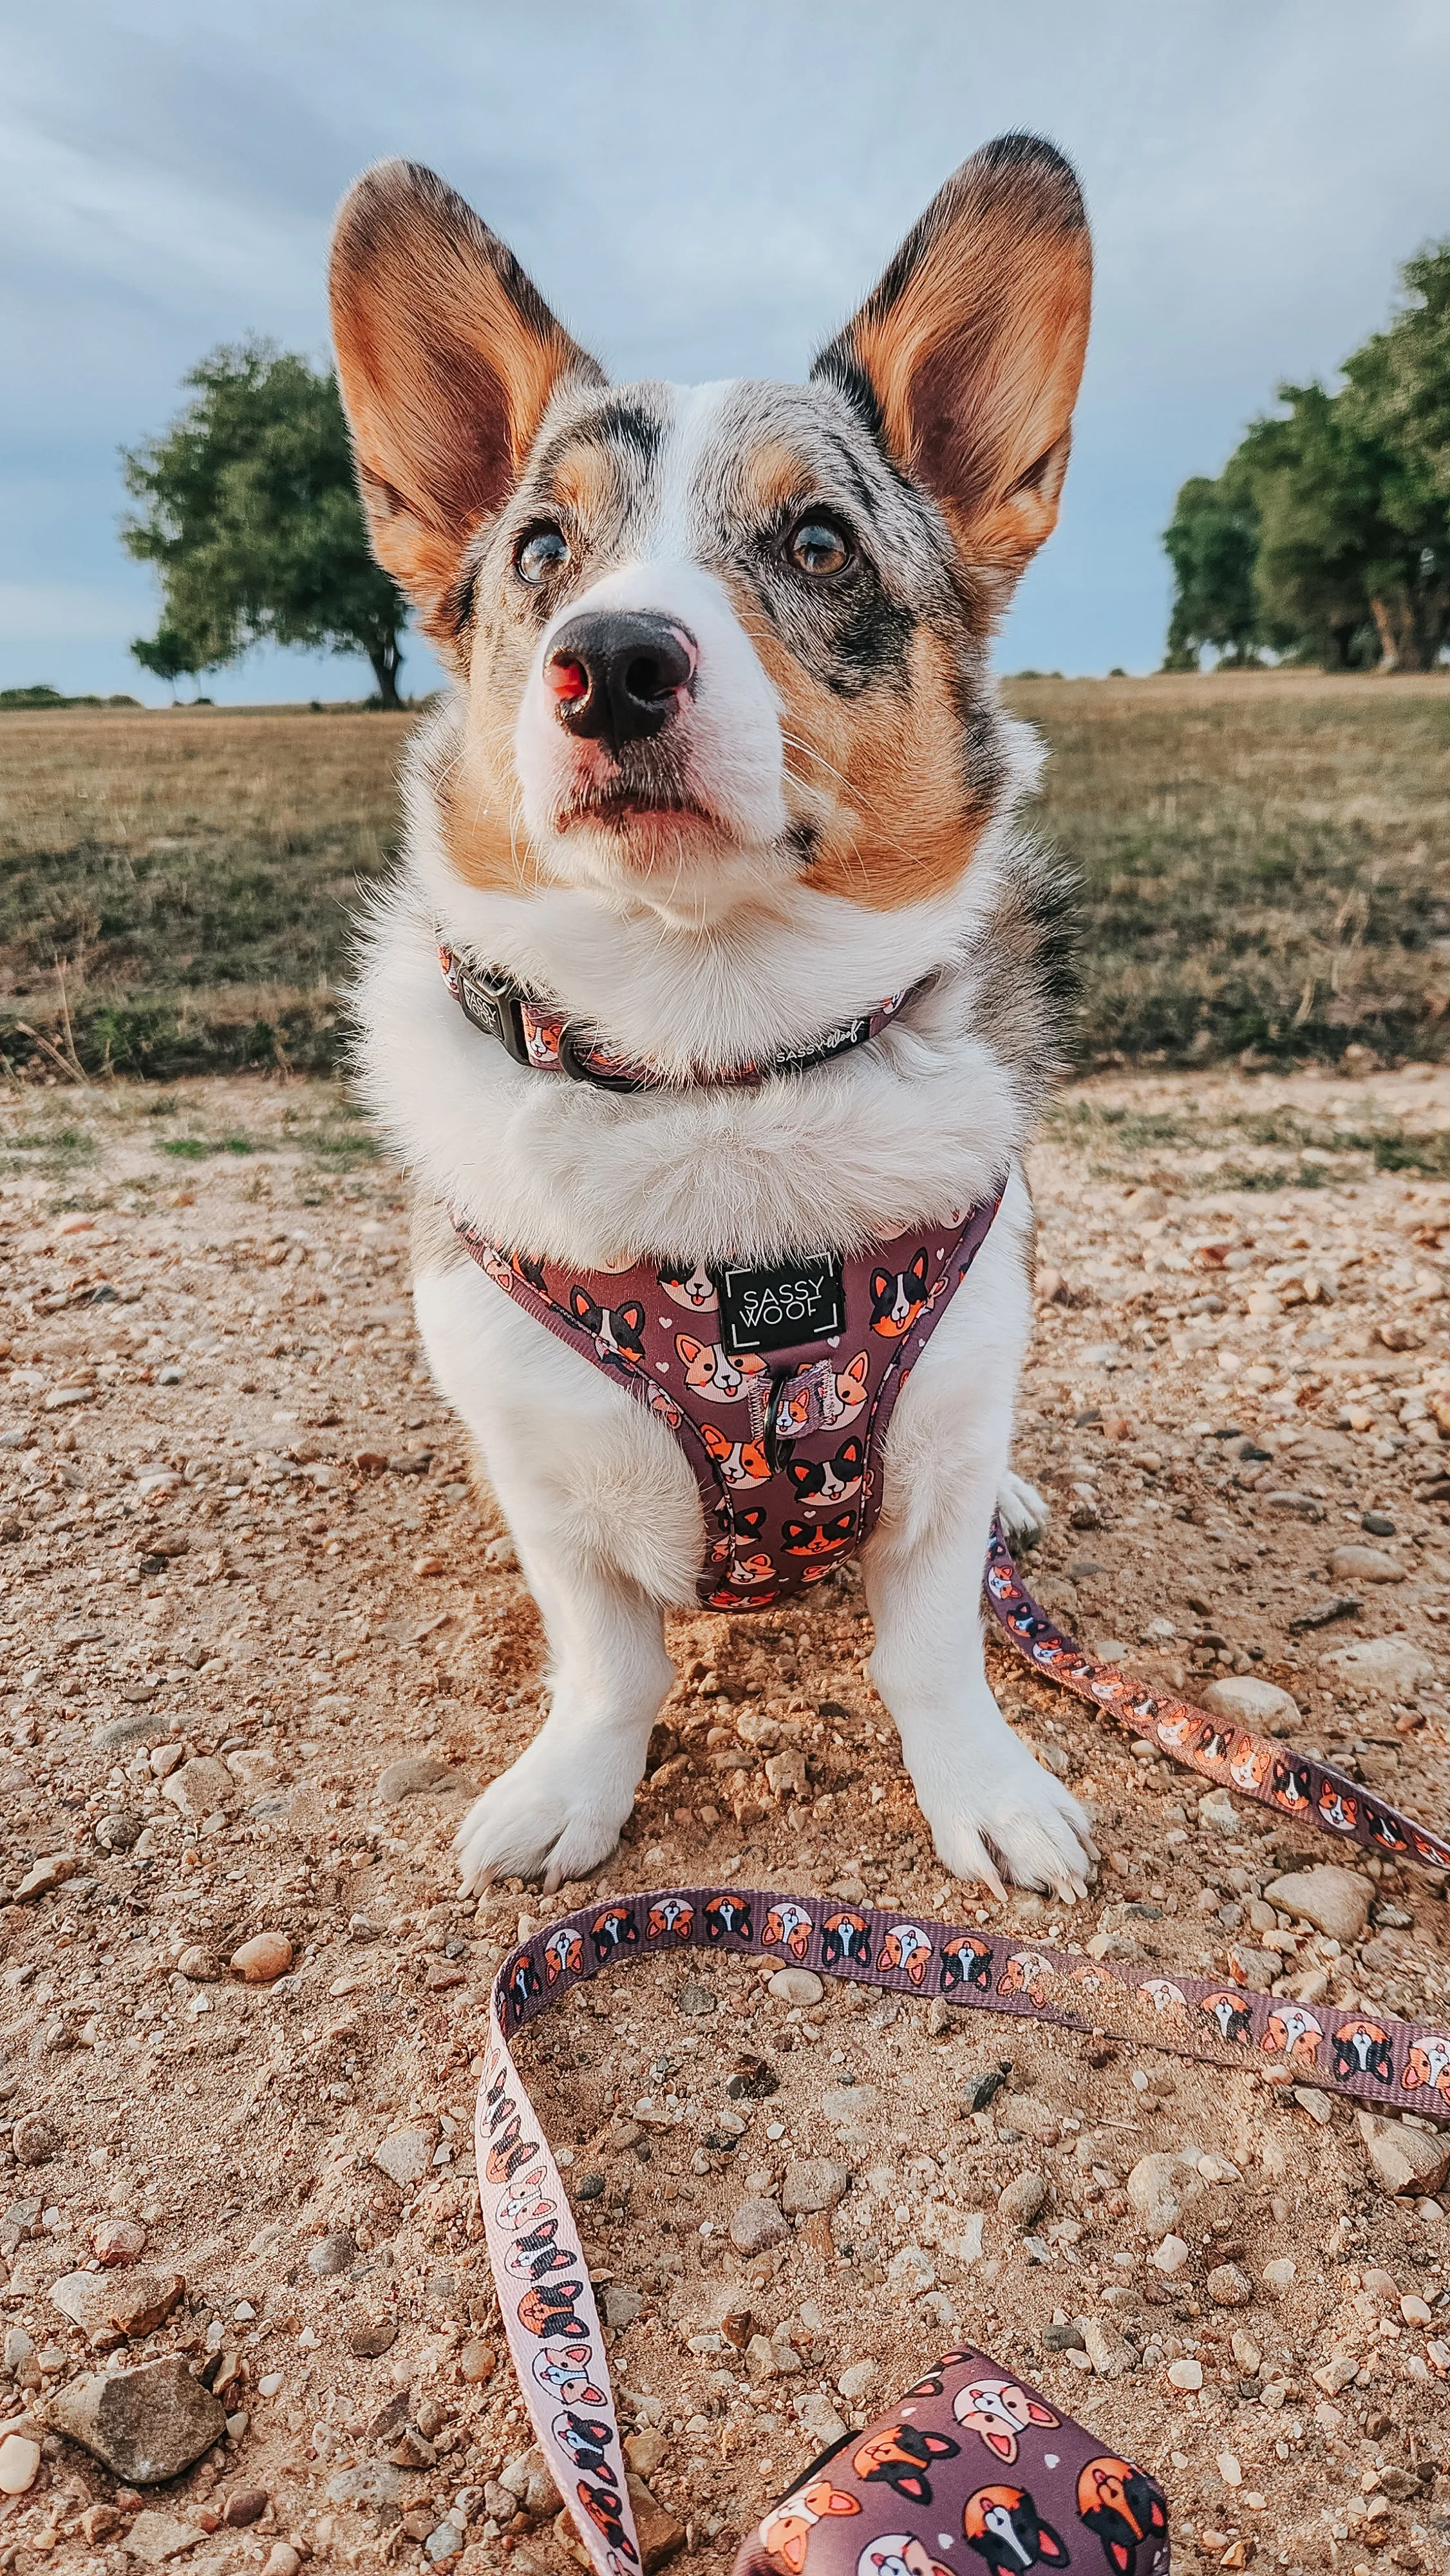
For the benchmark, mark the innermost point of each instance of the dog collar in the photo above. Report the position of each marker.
(541, 1034)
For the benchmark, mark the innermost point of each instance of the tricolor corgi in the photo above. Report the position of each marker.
(722, 763)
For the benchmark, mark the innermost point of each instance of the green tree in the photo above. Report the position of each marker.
(1212, 543)
(248, 508)
(1325, 547)
(1398, 394)
(167, 655)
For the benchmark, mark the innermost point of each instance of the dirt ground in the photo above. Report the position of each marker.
(261, 1642)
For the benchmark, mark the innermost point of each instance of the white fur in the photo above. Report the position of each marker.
(731, 956)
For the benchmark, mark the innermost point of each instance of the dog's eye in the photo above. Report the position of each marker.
(818, 546)
(543, 551)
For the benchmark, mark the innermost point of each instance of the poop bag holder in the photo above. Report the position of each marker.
(972, 2464)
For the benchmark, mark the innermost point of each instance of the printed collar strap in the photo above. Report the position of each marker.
(541, 1034)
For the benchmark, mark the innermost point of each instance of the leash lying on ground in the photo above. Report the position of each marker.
(1019, 2512)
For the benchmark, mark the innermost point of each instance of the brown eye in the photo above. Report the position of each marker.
(818, 546)
(543, 552)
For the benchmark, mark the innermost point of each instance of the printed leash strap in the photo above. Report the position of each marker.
(971, 2453)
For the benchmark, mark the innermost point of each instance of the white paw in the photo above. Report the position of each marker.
(554, 1814)
(1021, 1510)
(996, 1815)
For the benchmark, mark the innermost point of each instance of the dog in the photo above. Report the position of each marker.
(723, 762)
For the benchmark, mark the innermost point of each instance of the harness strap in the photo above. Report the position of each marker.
(541, 1034)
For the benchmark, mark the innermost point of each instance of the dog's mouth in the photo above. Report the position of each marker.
(644, 809)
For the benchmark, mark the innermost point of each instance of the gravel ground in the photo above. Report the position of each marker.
(262, 1641)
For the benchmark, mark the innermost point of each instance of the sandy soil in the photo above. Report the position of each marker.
(238, 1532)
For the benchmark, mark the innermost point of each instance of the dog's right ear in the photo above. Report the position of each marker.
(447, 359)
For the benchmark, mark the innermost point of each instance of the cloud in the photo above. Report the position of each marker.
(703, 192)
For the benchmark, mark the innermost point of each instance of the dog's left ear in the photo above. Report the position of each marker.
(966, 357)
(448, 358)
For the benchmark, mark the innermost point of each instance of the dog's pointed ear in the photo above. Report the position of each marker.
(966, 357)
(447, 359)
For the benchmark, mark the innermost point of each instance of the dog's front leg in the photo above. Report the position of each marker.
(606, 1518)
(993, 1811)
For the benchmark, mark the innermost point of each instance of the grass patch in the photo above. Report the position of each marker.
(1264, 863)
(194, 1149)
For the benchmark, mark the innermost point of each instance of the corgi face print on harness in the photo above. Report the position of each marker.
(653, 593)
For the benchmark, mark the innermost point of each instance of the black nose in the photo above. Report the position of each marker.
(614, 674)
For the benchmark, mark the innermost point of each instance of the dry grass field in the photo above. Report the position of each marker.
(1264, 862)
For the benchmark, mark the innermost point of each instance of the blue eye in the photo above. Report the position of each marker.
(819, 545)
(542, 553)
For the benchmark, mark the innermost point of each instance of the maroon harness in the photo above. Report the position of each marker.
(777, 1378)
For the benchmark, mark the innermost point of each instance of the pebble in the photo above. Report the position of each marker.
(813, 2183)
(620, 2305)
(1364, 1565)
(1106, 2349)
(1170, 2256)
(1279, 2274)
(477, 2361)
(281, 2560)
(108, 2306)
(19, 2464)
(370, 2484)
(817, 2417)
(854, 2381)
(406, 2156)
(1401, 2159)
(695, 1999)
(200, 1788)
(244, 2506)
(1217, 1813)
(1335, 1901)
(1389, 1667)
(1253, 1703)
(198, 1963)
(1031, 2118)
(755, 2225)
(118, 2240)
(797, 1986)
(146, 2424)
(1377, 1524)
(409, 1777)
(1185, 2374)
(155, 2537)
(43, 1875)
(35, 2139)
(267, 1956)
(911, 2271)
(1228, 2287)
(1024, 2199)
(371, 2337)
(332, 2253)
(1161, 2187)
(983, 2084)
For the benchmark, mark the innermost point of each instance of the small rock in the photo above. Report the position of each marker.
(1031, 2118)
(1252, 1703)
(1185, 2374)
(19, 2464)
(620, 2305)
(1170, 2256)
(477, 2361)
(1377, 1524)
(648, 2450)
(1161, 2188)
(660, 2535)
(1024, 2199)
(983, 2084)
(281, 2560)
(695, 1999)
(200, 1788)
(146, 2424)
(371, 2483)
(1389, 1667)
(813, 2183)
(760, 2357)
(35, 2139)
(108, 2307)
(371, 2337)
(787, 1776)
(118, 2240)
(122, 1831)
(850, 2106)
(1106, 2349)
(243, 2507)
(443, 2543)
(406, 2157)
(332, 2253)
(796, 1986)
(854, 2381)
(1401, 2159)
(528, 2478)
(910, 2272)
(199, 1964)
(1364, 1565)
(1335, 1901)
(818, 2419)
(409, 1777)
(1228, 2287)
(755, 2225)
(267, 1956)
(1308, 2097)
(156, 2537)
(43, 1875)
(1279, 2275)
(1217, 1813)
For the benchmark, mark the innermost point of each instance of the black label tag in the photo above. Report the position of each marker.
(772, 1309)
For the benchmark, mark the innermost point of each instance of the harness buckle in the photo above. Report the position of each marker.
(494, 1004)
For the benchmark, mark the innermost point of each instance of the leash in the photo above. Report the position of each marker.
(545, 2297)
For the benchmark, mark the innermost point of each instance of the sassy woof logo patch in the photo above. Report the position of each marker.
(774, 1308)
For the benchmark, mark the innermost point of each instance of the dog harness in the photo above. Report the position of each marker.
(777, 1379)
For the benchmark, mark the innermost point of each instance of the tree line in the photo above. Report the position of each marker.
(1326, 538)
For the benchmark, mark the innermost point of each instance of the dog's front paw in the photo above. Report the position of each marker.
(550, 1815)
(1021, 1510)
(1005, 1817)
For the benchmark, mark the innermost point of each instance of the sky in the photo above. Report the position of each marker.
(699, 191)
